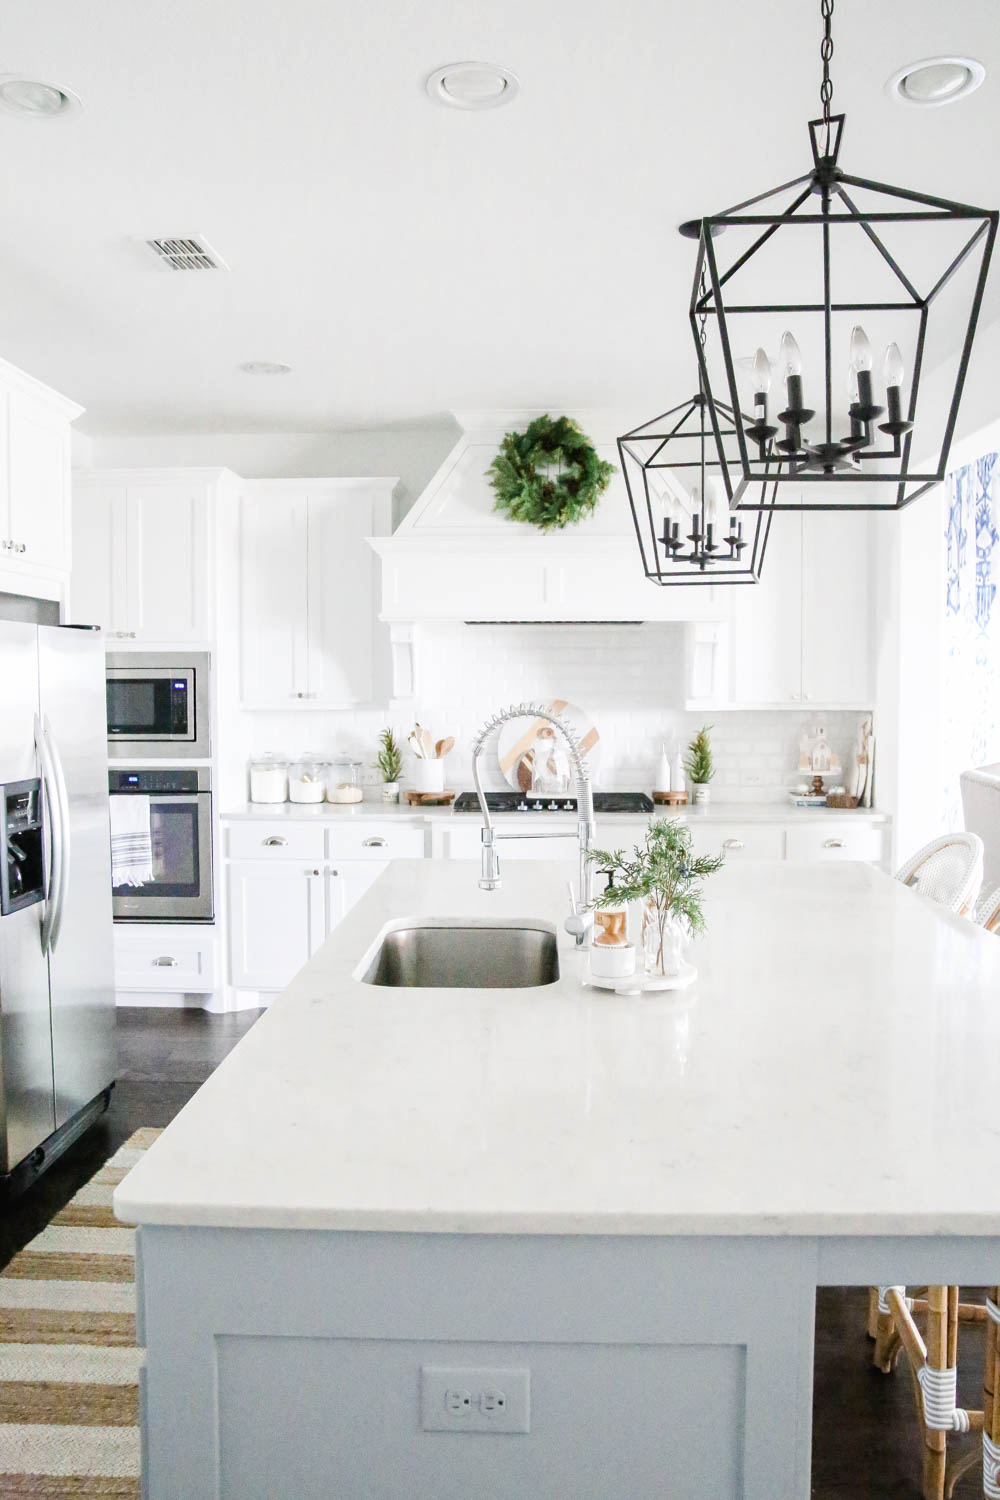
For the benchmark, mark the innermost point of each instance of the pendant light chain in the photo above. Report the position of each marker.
(826, 53)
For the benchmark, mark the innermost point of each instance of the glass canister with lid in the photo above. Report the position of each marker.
(269, 777)
(344, 781)
(307, 779)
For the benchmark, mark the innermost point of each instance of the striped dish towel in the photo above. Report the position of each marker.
(131, 841)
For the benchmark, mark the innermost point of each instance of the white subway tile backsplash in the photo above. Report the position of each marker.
(629, 680)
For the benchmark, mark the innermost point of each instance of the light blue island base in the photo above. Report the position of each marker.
(286, 1364)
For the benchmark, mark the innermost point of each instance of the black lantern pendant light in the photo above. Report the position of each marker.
(815, 270)
(687, 535)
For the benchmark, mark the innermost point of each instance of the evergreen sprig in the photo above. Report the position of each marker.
(699, 765)
(389, 760)
(549, 475)
(661, 868)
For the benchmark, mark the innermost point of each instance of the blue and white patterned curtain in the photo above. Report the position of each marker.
(971, 724)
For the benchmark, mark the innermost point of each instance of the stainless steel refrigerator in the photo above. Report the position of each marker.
(57, 1047)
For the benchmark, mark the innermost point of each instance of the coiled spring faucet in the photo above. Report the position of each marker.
(578, 923)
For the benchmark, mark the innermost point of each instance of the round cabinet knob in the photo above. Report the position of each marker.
(732, 844)
(312, 872)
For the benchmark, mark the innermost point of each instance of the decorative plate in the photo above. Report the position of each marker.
(533, 755)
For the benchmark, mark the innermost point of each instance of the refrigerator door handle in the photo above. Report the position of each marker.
(62, 798)
(54, 871)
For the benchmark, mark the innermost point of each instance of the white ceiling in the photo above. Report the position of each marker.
(406, 259)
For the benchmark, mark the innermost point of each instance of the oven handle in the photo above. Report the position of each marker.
(54, 863)
(62, 797)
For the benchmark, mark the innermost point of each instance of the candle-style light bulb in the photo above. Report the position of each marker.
(893, 369)
(861, 349)
(761, 373)
(790, 355)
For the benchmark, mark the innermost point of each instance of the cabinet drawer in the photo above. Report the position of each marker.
(832, 842)
(376, 841)
(285, 840)
(167, 958)
(740, 841)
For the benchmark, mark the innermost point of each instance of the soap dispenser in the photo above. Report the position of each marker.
(611, 953)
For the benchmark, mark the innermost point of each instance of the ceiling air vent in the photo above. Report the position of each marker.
(187, 253)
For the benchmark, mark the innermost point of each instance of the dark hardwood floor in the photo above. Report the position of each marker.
(865, 1440)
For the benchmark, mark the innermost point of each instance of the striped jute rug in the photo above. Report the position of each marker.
(69, 1366)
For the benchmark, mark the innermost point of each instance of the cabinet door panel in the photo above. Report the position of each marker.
(39, 484)
(346, 884)
(836, 634)
(273, 599)
(276, 923)
(97, 580)
(766, 622)
(167, 540)
(341, 599)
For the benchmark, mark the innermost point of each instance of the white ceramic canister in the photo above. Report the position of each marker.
(428, 775)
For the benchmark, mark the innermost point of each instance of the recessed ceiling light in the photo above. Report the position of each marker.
(265, 367)
(472, 85)
(33, 99)
(935, 81)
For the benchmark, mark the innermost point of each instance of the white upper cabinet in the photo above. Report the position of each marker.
(803, 634)
(308, 630)
(34, 476)
(143, 548)
(837, 637)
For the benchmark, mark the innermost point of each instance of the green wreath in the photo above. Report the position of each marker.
(549, 475)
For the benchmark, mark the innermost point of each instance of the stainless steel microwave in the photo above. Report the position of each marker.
(158, 704)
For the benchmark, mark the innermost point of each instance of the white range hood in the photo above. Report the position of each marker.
(454, 558)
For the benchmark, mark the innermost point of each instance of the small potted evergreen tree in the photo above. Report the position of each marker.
(389, 762)
(699, 765)
(663, 874)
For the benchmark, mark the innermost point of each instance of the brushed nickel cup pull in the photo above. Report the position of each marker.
(833, 844)
(274, 841)
(374, 843)
(733, 844)
(165, 962)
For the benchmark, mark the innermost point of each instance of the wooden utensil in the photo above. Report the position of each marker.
(443, 746)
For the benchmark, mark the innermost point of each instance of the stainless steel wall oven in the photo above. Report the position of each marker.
(180, 835)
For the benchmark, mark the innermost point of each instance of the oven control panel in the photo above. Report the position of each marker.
(169, 779)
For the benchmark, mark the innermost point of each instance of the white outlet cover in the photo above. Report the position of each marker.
(460, 1399)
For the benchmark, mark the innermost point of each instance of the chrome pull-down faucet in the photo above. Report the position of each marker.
(579, 922)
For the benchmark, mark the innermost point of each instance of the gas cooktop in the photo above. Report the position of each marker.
(604, 802)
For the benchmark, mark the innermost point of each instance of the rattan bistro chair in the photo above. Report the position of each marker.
(950, 871)
(988, 910)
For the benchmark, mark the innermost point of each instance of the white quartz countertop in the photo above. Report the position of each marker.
(833, 1071)
(714, 812)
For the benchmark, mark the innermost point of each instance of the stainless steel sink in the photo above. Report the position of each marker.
(468, 956)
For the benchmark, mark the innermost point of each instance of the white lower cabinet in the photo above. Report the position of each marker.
(346, 883)
(165, 957)
(739, 841)
(277, 920)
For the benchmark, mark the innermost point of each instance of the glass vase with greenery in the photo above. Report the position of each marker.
(389, 764)
(699, 766)
(664, 875)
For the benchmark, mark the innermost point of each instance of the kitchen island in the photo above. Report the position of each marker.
(631, 1199)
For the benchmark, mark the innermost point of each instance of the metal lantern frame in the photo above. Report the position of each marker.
(835, 461)
(646, 449)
